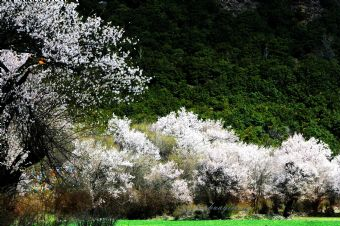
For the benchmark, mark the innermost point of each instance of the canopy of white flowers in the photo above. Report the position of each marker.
(50, 58)
(225, 168)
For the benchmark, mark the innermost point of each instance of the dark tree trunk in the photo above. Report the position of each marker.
(288, 208)
(264, 207)
(315, 206)
(8, 184)
(8, 180)
(330, 208)
(255, 203)
(276, 205)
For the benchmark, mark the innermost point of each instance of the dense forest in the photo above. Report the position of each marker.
(267, 71)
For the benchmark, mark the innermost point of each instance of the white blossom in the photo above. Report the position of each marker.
(65, 38)
(131, 141)
(13, 60)
(193, 134)
(167, 176)
(101, 170)
(334, 175)
(301, 168)
(54, 58)
(221, 172)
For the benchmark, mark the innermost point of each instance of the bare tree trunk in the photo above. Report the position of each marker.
(330, 208)
(8, 183)
(9, 180)
(256, 203)
(315, 206)
(288, 207)
(276, 205)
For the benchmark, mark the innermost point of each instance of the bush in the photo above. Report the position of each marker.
(34, 204)
(72, 202)
(191, 212)
(6, 209)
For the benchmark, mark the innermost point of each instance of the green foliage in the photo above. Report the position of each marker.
(264, 72)
(166, 144)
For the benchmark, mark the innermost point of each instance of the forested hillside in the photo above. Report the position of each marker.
(268, 71)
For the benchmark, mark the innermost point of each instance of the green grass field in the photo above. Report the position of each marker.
(299, 222)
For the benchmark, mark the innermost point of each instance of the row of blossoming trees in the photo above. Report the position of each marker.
(206, 164)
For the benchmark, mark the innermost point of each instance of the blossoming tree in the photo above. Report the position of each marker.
(51, 58)
(165, 179)
(104, 172)
(302, 170)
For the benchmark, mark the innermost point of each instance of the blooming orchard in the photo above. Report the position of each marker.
(53, 60)
(228, 169)
(222, 170)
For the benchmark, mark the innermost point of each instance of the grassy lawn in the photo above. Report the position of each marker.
(299, 222)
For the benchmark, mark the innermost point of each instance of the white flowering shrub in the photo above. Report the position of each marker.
(166, 178)
(335, 175)
(221, 177)
(208, 166)
(226, 169)
(193, 134)
(301, 170)
(256, 161)
(332, 185)
(103, 172)
(131, 141)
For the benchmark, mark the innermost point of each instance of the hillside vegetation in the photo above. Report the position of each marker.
(268, 72)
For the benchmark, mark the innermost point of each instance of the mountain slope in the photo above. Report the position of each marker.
(268, 71)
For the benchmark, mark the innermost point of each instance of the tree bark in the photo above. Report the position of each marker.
(288, 208)
(276, 205)
(8, 184)
(315, 206)
(9, 180)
